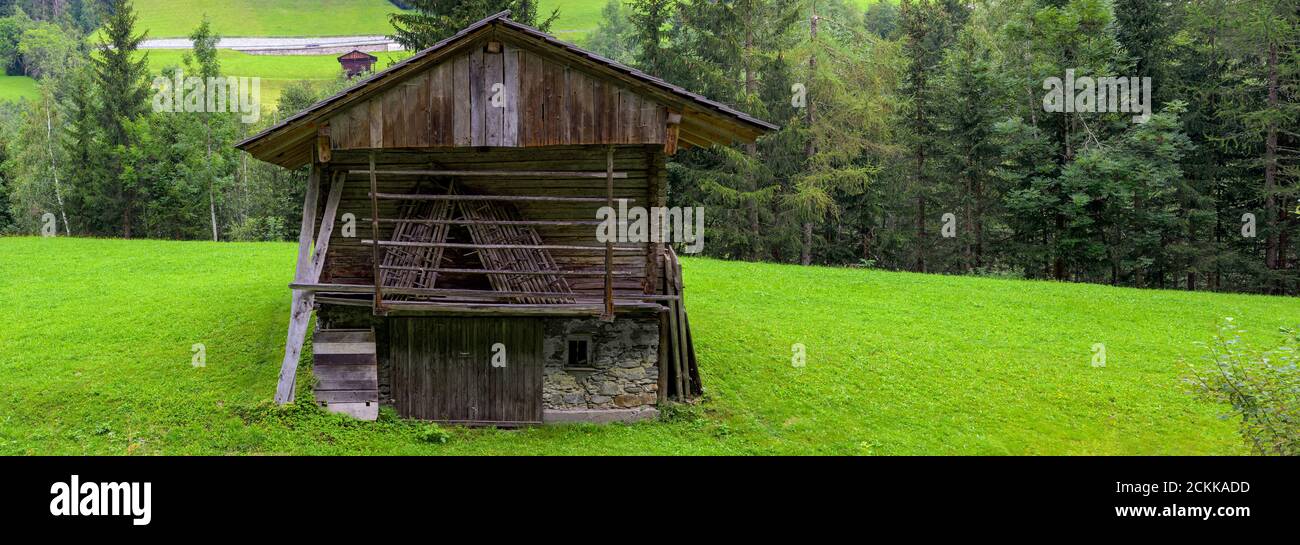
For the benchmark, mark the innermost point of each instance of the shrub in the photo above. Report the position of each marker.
(433, 433)
(267, 229)
(1262, 387)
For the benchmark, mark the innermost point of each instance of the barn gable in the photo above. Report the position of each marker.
(499, 83)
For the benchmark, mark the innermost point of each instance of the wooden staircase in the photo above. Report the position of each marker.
(346, 370)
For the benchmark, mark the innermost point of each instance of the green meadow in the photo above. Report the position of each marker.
(96, 358)
(277, 71)
(14, 88)
(177, 18)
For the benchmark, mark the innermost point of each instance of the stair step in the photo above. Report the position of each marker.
(346, 369)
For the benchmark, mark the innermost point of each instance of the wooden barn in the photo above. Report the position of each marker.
(356, 63)
(449, 244)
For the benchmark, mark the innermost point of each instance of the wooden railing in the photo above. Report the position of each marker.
(609, 302)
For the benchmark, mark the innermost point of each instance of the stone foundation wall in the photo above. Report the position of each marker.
(624, 367)
(623, 373)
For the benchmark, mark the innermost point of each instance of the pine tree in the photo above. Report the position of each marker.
(651, 18)
(431, 21)
(123, 90)
(927, 27)
(973, 97)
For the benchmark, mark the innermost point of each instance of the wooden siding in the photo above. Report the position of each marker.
(541, 101)
(350, 262)
(442, 369)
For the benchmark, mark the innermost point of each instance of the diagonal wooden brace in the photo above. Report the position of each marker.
(308, 270)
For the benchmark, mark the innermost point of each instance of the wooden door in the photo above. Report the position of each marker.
(442, 369)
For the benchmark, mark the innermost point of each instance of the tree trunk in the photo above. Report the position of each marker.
(212, 190)
(1271, 209)
(810, 149)
(54, 169)
(805, 256)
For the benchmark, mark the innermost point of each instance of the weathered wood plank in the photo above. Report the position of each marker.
(343, 348)
(510, 125)
(460, 93)
(300, 305)
(327, 223)
(354, 360)
(347, 396)
(344, 335)
(477, 99)
(345, 372)
(494, 90)
(376, 119)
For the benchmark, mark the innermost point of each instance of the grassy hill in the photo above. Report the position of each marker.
(13, 88)
(95, 356)
(177, 18)
(276, 71)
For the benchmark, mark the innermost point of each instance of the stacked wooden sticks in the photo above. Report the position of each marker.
(410, 266)
(516, 259)
(430, 221)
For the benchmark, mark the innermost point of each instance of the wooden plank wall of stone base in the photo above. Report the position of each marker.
(345, 366)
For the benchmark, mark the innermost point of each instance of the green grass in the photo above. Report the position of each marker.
(177, 18)
(96, 349)
(14, 88)
(173, 18)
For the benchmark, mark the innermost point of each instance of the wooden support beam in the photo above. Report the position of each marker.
(300, 304)
(472, 246)
(323, 143)
(327, 223)
(621, 274)
(608, 316)
(508, 198)
(558, 223)
(670, 136)
(374, 229)
(577, 309)
(493, 173)
(446, 292)
(652, 196)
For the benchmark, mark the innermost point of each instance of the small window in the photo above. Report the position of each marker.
(577, 352)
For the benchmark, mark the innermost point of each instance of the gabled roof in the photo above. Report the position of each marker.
(300, 129)
(358, 54)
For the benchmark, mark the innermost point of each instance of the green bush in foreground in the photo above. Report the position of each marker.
(1262, 387)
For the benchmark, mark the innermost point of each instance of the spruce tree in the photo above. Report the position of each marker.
(431, 21)
(123, 90)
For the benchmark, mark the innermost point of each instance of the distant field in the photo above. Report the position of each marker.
(13, 88)
(175, 18)
(164, 18)
(276, 71)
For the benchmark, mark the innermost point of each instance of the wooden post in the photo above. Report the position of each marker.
(670, 133)
(299, 309)
(374, 235)
(653, 192)
(609, 243)
(663, 357)
(327, 223)
(303, 300)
